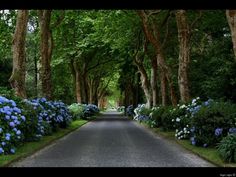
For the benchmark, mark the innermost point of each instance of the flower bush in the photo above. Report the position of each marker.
(33, 128)
(156, 115)
(130, 110)
(212, 122)
(90, 110)
(77, 110)
(142, 113)
(10, 121)
(55, 113)
(29, 120)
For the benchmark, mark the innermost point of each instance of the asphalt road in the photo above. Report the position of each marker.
(112, 141)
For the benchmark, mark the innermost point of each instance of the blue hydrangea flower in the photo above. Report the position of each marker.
(218, 131)
(232, 130)
(7, 117)
(12, 124)
(23, 118)
(18, 132)
(8, 113)
(3, 143)
(193, 129)
(12, 151)
(8, 138)
(1, 150)
(0, 130)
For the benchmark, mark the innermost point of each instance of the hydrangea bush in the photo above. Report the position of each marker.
(212, 122)
(10, 122)
(28, 120)
(77, 110)
(142, 113)
(90, 110)
(130, 110)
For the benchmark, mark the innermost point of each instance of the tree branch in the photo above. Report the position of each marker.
(59, 20)
(196, 19)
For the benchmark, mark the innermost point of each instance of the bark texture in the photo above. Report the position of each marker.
(17, 79)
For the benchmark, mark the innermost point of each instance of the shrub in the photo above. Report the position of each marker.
(89, 111)
(227, 148)
(167, 117)
(55, 113)
(10, 121)
(130, 110)
(212, 122)
(142, 113)
(33, 127)
(121, 109)
(156, 115)
(181, 121)
(77, 110)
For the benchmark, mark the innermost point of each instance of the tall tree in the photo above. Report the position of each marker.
(46, 52)
(231, 18)
(184, 36)
(17, 78)
(184, 50)
(153, 35)
(144, 79)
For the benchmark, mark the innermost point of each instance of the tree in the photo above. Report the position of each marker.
(153, 35)
(46, 45)
(231, 18)
(184, 38)
(17, 78)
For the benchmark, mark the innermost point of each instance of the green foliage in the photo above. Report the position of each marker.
(156, 115)
(10, 94)
(77, 109)
(218, 115)
(227, 148)
(167, 119)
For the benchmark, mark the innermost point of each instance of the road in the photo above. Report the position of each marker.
(112, 141)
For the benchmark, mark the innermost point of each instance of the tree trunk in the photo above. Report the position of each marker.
(77, 79)
(155, 41)
(17, 79)
(231, 18)
(184, 52)
(36, 74)
(154, 81)
(145, 82)
(85, 88)
(91, 92)
(46, 52)
(163, 89)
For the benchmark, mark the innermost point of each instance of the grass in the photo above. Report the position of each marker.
(210, 154)
(31, 147)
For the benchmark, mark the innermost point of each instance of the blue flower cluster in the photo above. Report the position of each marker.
(53, 112)
(90, 110)
(28, 121)
(218, 131)
(130, 110)
(142, 118)
(10, 121)
(193, 140)
(139, 115)
(232, 130)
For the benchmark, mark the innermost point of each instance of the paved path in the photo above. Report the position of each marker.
(112, 141)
